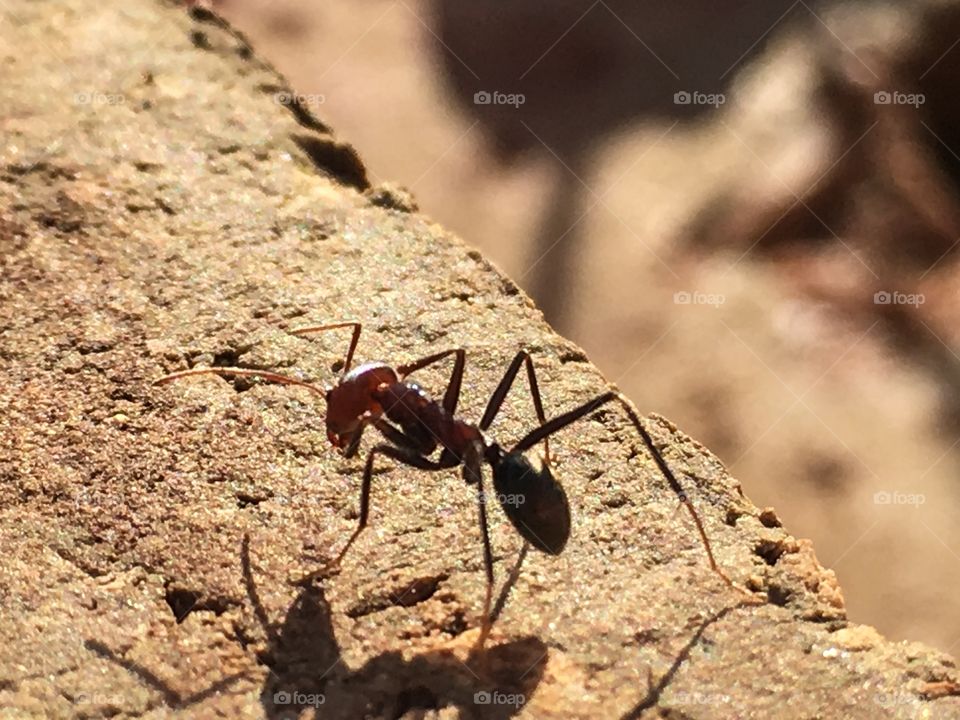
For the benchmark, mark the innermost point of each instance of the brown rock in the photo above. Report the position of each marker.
(163, 210)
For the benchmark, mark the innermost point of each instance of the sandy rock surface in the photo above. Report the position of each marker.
(162, 207)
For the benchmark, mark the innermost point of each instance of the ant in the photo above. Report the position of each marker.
(414, 426)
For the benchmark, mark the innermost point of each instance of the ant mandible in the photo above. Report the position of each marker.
(414, 426)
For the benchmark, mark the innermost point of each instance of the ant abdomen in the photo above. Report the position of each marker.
(534, 501)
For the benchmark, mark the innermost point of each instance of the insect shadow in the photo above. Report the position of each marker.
(655, 691)
(306, 668)
(171, 697)
(307, 671)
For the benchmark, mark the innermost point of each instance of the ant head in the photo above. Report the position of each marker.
(351, 403)
(533, 500)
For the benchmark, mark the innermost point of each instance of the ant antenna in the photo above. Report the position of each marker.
(243, 372)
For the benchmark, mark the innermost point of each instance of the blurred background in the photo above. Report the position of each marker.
(746, 213)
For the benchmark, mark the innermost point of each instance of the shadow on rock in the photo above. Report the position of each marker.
(307, 671)
(655, 691)
(171, 697)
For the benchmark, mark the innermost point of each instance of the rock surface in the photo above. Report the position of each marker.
(165, 204)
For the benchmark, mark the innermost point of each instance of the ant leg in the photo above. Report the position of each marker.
(561, 421)
(394, 434)
(354, 446)
(511, 580)
(406, 455)
(496, 400)
(243, 372)
(452, 396)
(333, 326)
(403, 441)
(473, 471)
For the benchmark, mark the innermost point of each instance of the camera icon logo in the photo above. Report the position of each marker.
(882, 298)
(482, 97)
(681, 298)
(882, 98)
(682, 98)
(882, 498)
(482, 698)
(282, 697)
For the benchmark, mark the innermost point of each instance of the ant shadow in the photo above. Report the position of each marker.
(171, 698)
(655, 692)
(306, 668)
(307, 671)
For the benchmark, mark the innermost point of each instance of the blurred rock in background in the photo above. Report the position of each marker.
(748, 218)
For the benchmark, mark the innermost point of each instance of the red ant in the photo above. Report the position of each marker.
(414, 426)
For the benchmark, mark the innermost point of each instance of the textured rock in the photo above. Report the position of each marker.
(163, 207)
